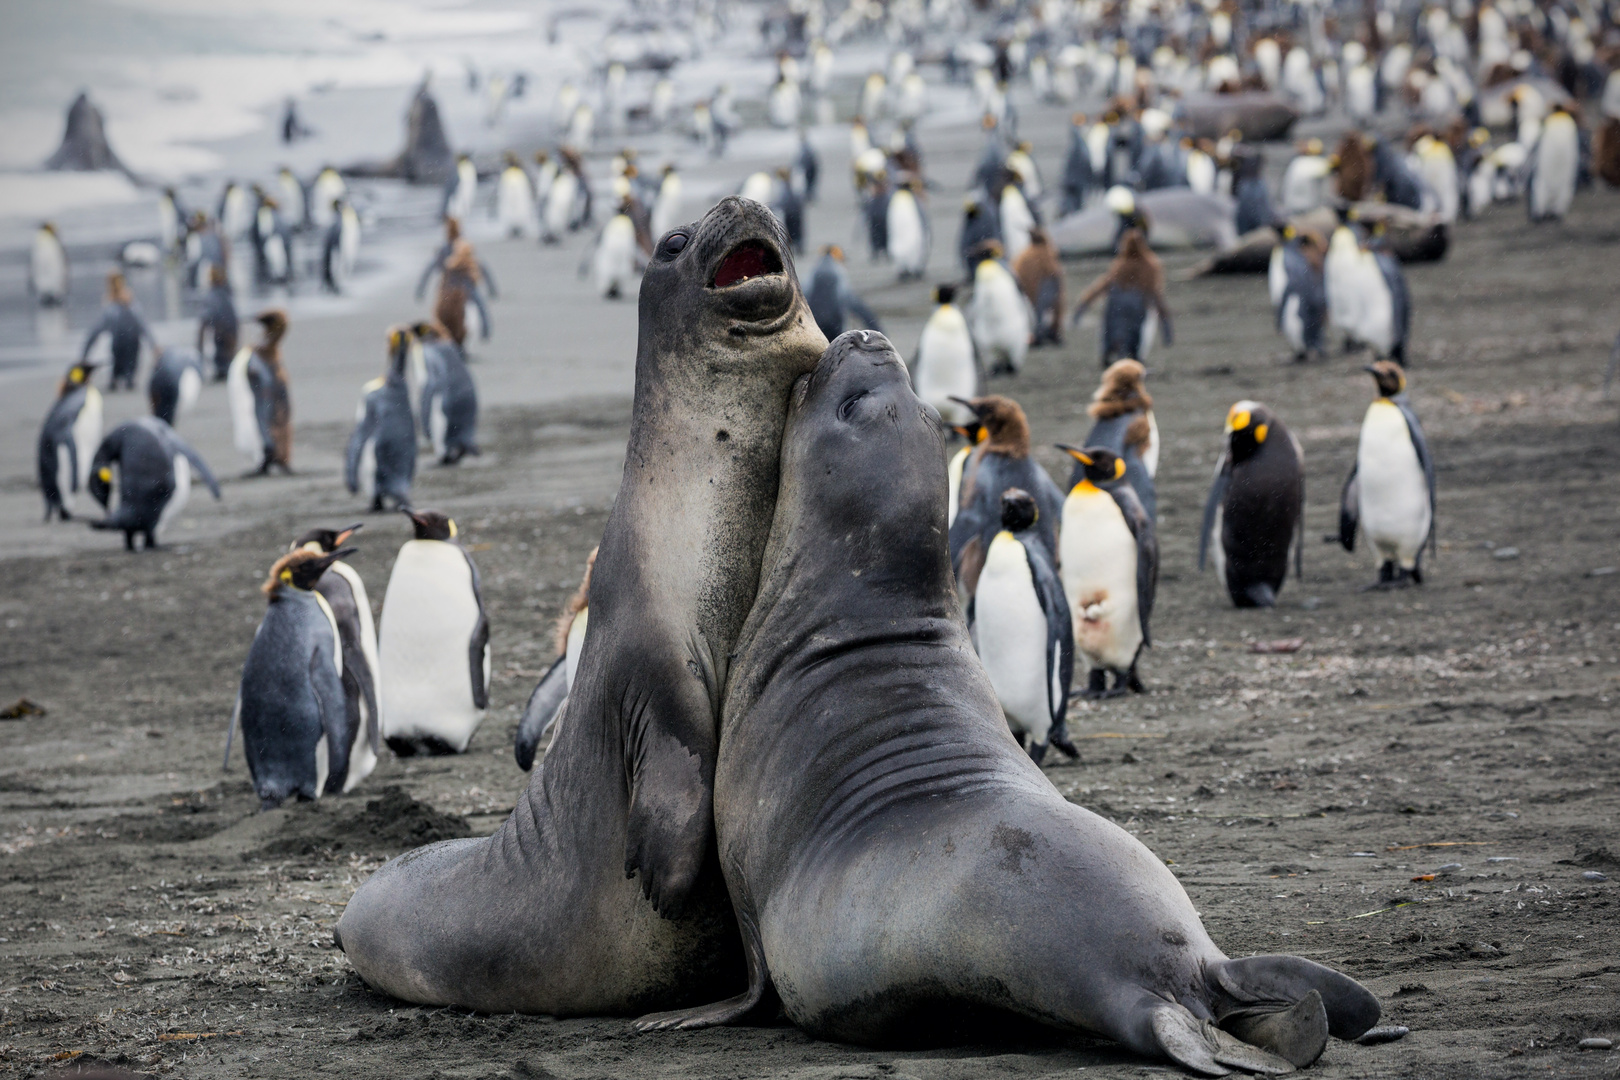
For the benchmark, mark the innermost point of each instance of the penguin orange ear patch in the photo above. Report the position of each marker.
(452, 530)
(286, 577)
(1260, 433)
(77, 376)
(105, 474)
(1119, 468)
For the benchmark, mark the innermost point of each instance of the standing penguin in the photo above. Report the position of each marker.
(614, 263)
(1299, 291)
(449, 399)
(973, 433)
(1000, 462)
(908, 231)
(1017, 219)
(1388, 309)
(568, 202)
(1343, 275)
(433, 643)
(1110, 569)
(175, 384)
(327, 189)
(1040, 276)
(550, 694)
(69, 439)
(1019, 622)
(340, 246)
(998, 315)
(261, 405)
(666, 208)
(980, 226)
(345, 595)
(235, 213)
(1123, 422)
(1555, 165)
(48, 267)
(1390, 492)
(1136, 307)
(514, 201)
(382, 451)
(832, 298)
(1079, 179)
(272, 242)
(461, 273)
(153, 469)
(121, 321)
(1256, 507)
(460, 190)
(943, 372)
(296, 732)
(171, 222)
(219, 317)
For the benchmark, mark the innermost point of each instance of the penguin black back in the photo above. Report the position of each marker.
(1256, 506)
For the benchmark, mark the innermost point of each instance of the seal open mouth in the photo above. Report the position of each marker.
(748, 260)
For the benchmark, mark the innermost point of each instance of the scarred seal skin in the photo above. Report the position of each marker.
(902, 872)
(544, 916)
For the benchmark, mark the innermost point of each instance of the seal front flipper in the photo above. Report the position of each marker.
(1254, 984)
(1205, 1049)
(759, 1001)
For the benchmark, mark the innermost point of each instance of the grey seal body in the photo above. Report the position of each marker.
(543, 916)
(902, 871)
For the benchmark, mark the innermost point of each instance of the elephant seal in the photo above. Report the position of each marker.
(1177, 218)
(902, 872)
(541, 917)
(1259, 114)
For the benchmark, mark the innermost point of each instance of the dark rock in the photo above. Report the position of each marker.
(84, 145)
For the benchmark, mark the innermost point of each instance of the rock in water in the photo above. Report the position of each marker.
(426, 158)
(84, 145)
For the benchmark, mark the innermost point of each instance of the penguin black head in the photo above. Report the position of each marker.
(1018, 510)
(428, 331)
(399, 345)
(1247, 425)
(973, 431)
(322, 541)
(1099, 465)
(300, 570)
(430, 524)
(100, 485)
(76, 376)
(274, 322)
(1005, 425)
(1389, 376)
(944, 294)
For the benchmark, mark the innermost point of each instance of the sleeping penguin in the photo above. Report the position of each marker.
(382, 451)
(69, 439)
(1390, 491)
(1000, 462)
(1110, 570)
(433, 643)
(176, 383)
(1019, 621)
(153, 468)
(449, 400)
(296, 733)
(1122, 415)
(1298, 291)
(545, 704)
(1256, 507)
(346, 599)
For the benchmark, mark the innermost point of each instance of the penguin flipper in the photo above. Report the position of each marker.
(1059, 631)
(180, 445)
(328, 687)
(541, 711)
(1212, 504)
(230, 728)
(1420, 444)
(1147, 553)
(1350, 509)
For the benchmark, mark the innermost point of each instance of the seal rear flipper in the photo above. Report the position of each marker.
(1255, 984)
(1299, 1034)
(1205, 1049)
(759, 1001)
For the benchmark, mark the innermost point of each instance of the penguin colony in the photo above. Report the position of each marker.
(1050, 575)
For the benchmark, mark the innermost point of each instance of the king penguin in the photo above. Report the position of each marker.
(1000, 462)
(545, 705)
(1019, 622)
(1123, 422)
(1110, 570)
(1000, 317)
(1390, 492)
(1555, 165)
(514, 201)
(153, 467)
(460, 191)
(1343, 275)
(433, 643)
(1256, 507)
(944, 372)
(1298, 291)
(327, 189)
(666, 209)
(381, 459)
(449, 399)
(69, 439)
(345, 595)
(175, 384)
(295, 726)
(48, 267)
(261, 408)
(973, 433)
(908, 231)
(613, 264)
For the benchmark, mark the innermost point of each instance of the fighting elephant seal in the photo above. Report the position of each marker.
(901, 870)
(541, 916)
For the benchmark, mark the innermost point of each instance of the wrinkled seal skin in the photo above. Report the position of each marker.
(542, 917)
(902, 872)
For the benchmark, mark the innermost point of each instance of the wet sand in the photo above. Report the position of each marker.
(151, 916)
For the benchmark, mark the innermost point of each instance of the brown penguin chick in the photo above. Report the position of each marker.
(1040, 277)
(1606, 151)
(1135, 267)
(1355, 167)
(1313, 246)
(274, 323)
(578, 602)
(461, 275)
(1121, 392)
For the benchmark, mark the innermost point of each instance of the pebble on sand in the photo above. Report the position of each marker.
(1506, 553)
(1597, 1044)
(1594, 875)
(1384, 1033)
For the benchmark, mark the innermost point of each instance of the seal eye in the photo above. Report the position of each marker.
(674, 243)
(846, 408)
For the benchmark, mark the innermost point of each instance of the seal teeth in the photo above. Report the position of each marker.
(750, 259)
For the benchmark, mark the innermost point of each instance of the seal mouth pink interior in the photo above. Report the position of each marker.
(750, 259)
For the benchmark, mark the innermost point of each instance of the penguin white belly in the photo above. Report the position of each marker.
(428, 617)
(1557, 161)
(1201, 173)
(1150, 453)
(190, 390)
(49, 271)
(514, 206)
(472, 317)
(615, 264)
(1099, 578)
(177, 500)
(1395, 514)
(1377, 322)
(576, 642)
(438, 426)
(945, 365)
(1277, 275)
(1293, 324)
(362, 758)
(368, 467)
(953, 480)
(64, 475)
(1011, 633)
(1148, 335)
(666, 212)
(1016, 221)
(86, 437)
(1001, 318)
(244, 417)
(349, 242)
(758, 187)
(560, 204)
(908, 243)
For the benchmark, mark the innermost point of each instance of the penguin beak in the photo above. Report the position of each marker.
(343, 537)
(1079, 455)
